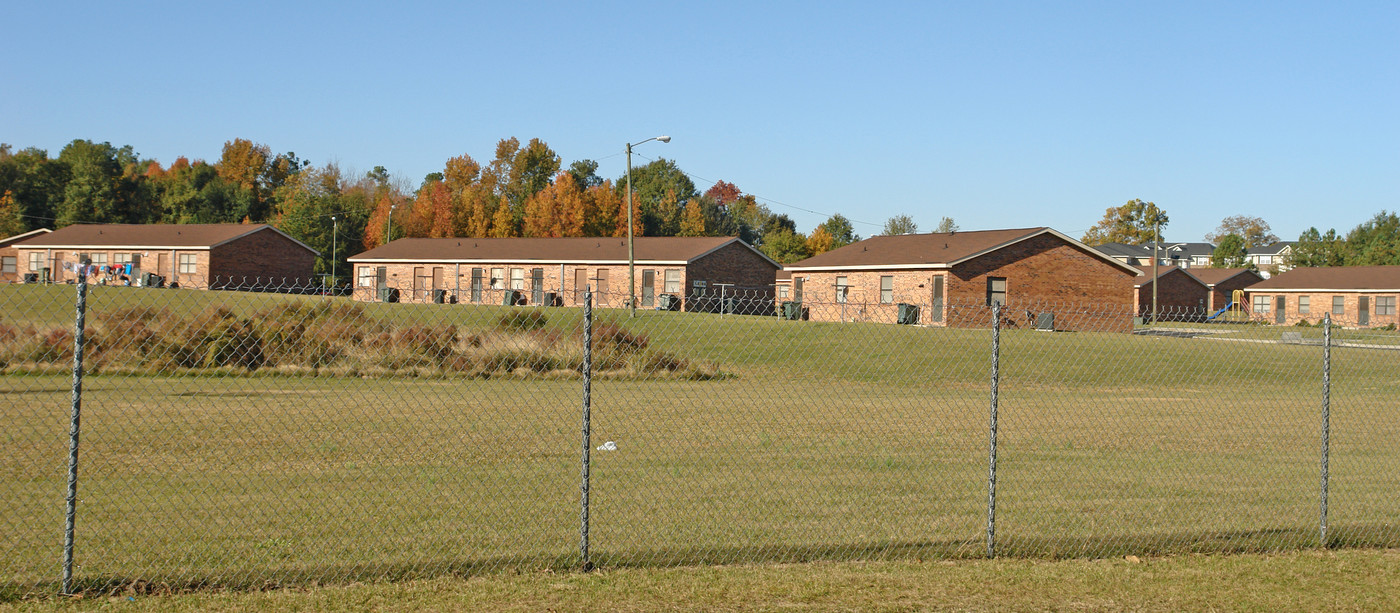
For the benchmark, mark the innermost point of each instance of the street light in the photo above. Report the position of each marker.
(631, 260)
(335, 227)
(389, 228)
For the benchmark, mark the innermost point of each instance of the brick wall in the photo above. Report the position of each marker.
(1046, 273)
(265, 257)
(1221, 295)
(750, 275)
(1179, 297)
(863, 301)
(164, 262)
(1320, 305)
(456, 280)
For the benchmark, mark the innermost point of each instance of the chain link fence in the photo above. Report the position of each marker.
(246, 439)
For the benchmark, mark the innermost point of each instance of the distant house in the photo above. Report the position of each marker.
(1045, 278)
(1362, 296)
(1132, 255)
(9, 256)
(1271, 259)
(190, 255)
(1223, 282)
(691, 273)
(1180, 295)
(1180, 255)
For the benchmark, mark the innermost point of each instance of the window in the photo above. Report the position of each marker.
(887, 289)
(498, 278)
(673, 281)
(1265, 260)
(996, 290)
(364, 277)
(782, 292)
(99, 259)
(517, 279)
(1385, 305)
(187, 263)
(36, 261)
(1339, 305)
(121, 259)
(9, 264)
(1261, 304)
(478, 281)
(1303, 305)
(842, 289)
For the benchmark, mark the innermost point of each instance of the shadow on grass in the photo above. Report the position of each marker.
(259, 578)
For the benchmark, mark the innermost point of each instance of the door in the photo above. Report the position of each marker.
(1363, 311)
(418, 277)
(936, 305)
(648, 288)
(537, 286)
(478, 275)
(602, 289)
(1280, 302)
(580, 285)
(163, 264)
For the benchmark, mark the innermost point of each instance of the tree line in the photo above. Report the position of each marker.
(522, 190)
(1375, 242)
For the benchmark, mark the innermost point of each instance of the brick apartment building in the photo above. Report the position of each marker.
(1362, 296)
(689, 273)
(1044, 278)
(1181, 296)
(190, 255)
(9, 256)
(1223, 282)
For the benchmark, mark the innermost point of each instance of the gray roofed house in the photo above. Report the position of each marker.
(1272, 258)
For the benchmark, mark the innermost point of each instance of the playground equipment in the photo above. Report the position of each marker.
(1235, 309)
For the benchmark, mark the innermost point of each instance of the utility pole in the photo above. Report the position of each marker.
(1156, 242)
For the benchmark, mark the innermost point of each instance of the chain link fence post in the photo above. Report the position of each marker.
(584, 561)
(1326, 418)
(992, 429)
(71, 514)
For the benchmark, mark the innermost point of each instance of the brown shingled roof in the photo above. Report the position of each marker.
(927, 250)
(188, 236)
(1334, 278)
(1216, 276)
(594, 249)
(19, 238)
(1162, 271)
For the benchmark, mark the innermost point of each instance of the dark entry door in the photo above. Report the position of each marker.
(1279, 303)
(1363, 311)
(537, 286)
(936, 305)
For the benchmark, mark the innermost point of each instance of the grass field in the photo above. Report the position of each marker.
(825, 442)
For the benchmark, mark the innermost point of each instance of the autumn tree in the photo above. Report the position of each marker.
(557, 210)
(820, 241)
(1230, 253)
(1134, 223)
(604, 214)
(11, 221)
(692, 220)
(1253, 230)
(900, 224)
(723, 192)
(502, 221)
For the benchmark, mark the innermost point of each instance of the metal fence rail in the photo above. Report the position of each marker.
(255, 435)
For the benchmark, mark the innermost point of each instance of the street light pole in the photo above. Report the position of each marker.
(631, 258)
(390, 228)
(335, 228)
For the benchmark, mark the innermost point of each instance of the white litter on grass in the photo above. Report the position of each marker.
(608, 446)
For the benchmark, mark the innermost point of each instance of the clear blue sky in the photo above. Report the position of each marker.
(999, 114)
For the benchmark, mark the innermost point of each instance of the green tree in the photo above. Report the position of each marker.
(654, 183)
(841, 231)
(946, 226)
(1376, 242)
(97, 190)
(900, 224)
(36, 182)
(1230, 253)
(585, 174)
(1317, 249)
(1134, 223)
(1255, 231)
(785, 246)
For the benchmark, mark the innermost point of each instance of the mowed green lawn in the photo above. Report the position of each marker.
(826, 442)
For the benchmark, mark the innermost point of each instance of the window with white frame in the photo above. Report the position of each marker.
(782, 292)
(1304, 305)
(843, 289)
(9, 264)
(99, 259)
(121, 259)
(1261, 304)
(672, 283)
(1339, 305)
(887, 289)
(365, 277)
(517, 279)
(498, 278)
(36, 261)
(1385, 305)
(187, 263)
